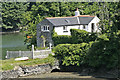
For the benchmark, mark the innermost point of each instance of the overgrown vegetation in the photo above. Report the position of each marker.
(71, 54)
(28, 15)
(80, 36)
(77, 36)
(9, 64)
(61, 39)
(103, 52)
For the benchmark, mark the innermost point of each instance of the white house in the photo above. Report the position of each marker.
(62, 25)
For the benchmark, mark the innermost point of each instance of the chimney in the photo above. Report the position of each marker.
(77, 13)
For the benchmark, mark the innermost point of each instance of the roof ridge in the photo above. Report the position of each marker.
(70, 16)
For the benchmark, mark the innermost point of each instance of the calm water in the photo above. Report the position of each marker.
(13, 41)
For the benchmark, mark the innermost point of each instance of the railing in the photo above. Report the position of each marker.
(31, 54)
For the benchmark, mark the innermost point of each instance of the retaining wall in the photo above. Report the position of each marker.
(29, 70)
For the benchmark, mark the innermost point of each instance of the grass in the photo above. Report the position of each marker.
(9, 64)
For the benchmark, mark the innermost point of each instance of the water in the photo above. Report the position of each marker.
(14, 41)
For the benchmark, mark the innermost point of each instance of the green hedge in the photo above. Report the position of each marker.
(80, 36)
(104, 53)
(77, 36)
(71, 54)
(60, 39)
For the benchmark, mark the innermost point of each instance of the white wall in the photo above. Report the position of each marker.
(59, 30)
(95, 21)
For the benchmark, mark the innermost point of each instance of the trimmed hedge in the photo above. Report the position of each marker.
(77, 36)
(80, 36)
(71, 54)
(62, 39)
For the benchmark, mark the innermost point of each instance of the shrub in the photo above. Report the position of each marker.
(71, 54)
(77, 36)
(103, 53)
(80, 36)
(60, 39)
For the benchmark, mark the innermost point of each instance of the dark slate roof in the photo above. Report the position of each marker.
(85, 20)
(58, 21)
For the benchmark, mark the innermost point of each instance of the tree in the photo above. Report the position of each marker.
(12, 14)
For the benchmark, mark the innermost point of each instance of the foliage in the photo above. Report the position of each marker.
(60, 39)
(30, 35)
(12, 14)
(79, 36)
(9, 64)
(71, 54)
(103, 53)
(18, 14)
(41, 48)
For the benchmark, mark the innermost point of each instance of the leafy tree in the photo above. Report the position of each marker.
(12, 14)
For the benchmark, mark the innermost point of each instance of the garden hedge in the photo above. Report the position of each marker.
(77, 36)
(71, 54)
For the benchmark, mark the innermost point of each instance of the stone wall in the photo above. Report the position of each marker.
(29, 70)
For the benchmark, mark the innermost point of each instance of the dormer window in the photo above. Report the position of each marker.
(45, 28)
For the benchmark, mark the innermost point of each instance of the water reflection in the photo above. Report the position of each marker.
(13, 41)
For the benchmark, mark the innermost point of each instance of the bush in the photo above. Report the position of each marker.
(71, 54)
(77, 36)
(103, 54)
(60, 39)
(80, 36)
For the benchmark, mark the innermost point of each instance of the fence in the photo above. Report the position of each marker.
(14, 54)
(30, 54)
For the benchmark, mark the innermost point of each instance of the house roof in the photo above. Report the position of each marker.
(73, 20)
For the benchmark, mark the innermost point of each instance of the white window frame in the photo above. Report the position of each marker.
(45, 28)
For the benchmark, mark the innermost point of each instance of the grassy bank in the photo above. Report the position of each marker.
(9, 64)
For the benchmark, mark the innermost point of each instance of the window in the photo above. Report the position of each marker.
(84, 27)
(45, 28)
(65, 29)
(92, 26)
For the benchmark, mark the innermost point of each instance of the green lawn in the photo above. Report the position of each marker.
(9, 64)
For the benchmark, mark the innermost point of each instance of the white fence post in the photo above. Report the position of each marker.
(32, 51)
(6, 55)
(50, 44)
(20, 54)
